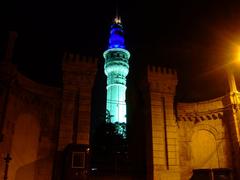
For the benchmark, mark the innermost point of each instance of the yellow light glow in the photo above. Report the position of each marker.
(237, 54)
(117, 20)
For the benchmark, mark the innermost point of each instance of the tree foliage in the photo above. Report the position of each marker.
(109, 142)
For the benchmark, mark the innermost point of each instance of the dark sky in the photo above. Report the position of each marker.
(195, 37)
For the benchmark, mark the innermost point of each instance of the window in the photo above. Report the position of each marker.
(78, 159)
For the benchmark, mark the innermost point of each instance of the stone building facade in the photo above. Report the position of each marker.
(39, 125)
(191, 140)
(29, 125)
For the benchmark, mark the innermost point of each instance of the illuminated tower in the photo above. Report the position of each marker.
(116, 68)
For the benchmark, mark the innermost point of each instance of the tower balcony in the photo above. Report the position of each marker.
(115, 68)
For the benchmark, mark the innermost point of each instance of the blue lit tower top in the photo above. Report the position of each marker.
(116, 68)
(116, 39)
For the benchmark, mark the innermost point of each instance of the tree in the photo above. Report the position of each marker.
(109, 145)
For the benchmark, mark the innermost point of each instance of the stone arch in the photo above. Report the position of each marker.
(204, 147)
(24, 147)
(206, 127)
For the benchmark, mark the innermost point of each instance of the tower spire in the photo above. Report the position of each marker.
(116, 39)
(117, 19)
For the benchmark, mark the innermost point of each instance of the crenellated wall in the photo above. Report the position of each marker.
(163, 80)
(165, 150)
(188, 136)
(78, 78)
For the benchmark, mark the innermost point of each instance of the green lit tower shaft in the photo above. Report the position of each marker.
(116, 68)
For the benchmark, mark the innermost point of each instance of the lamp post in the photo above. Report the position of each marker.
(234, 95)
(7, 160)
(234, 99)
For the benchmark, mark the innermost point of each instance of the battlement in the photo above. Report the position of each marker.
(162, 79)
(161, 70)
(156, 73)
(70, 58)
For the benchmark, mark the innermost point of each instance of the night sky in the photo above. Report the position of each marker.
(195, 37)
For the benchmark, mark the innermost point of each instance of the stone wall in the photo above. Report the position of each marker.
(188, 136)
(78, 78)
(30, 128)
(165, 150)
(204, 140)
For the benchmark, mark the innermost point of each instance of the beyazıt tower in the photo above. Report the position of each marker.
(116, 68)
